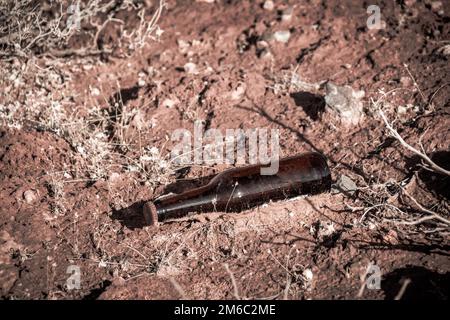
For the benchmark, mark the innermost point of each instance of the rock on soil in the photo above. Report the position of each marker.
(346, 185)
(346, 102)
(29, 196)
(269, 5)
(282, 36)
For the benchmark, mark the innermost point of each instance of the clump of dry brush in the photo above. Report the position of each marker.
(37, 40)
(64, 28)
(406, 202)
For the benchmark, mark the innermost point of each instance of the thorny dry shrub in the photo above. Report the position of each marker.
(65, 28)
(38, 65)
(93, 138)
(37, 91)
(393, 202)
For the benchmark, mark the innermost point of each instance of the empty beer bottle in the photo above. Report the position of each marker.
(241, 188)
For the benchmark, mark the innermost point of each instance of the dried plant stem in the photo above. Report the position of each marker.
(421, 154)
(431, 214)
(233, 281)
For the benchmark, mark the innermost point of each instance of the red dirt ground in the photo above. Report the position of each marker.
(267, 249)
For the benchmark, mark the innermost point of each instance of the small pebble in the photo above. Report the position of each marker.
(402, 110)
(308, 274)
(238, 93)
(169, 103)
(282, 36)
(183, 46)
(347, 185)
(268, 5)
(345, 102)
(29, 196)
(95, 91)
(190, 68)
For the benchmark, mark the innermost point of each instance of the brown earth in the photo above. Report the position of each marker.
(267, 249)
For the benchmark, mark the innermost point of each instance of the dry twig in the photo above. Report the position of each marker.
(421, 154)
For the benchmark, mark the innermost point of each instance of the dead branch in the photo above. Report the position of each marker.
(402, 290)
(431, 214)
(233, 281)
(421, 154)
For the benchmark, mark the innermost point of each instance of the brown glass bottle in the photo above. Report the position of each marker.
(241, 188)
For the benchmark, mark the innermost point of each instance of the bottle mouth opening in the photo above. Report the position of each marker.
(150, 214)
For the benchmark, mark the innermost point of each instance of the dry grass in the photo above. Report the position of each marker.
(37, 88)
(31, 27)
(391, 201)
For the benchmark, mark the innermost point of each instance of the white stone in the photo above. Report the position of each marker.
(346, 102)
(183, 45)
(29, 196)
(169, 103)
(308, 274)
(190, 68)
(237, 93)
(402, 110)
(269, 5)
(282, 36)
(346, 185)
(95, 92)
